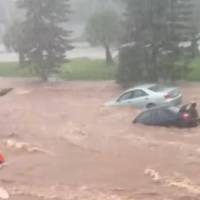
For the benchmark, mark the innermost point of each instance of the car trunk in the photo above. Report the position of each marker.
(172, 92)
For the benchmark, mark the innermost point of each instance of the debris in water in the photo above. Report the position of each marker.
(5, 91)
(178, 182)
(12, 144)
(153, 174)
(4, 194)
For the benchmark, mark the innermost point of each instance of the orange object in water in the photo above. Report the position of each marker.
(2, 160)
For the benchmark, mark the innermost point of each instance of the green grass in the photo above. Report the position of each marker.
(11, 69)
(194, 75)
(77, 69)
(87, 69)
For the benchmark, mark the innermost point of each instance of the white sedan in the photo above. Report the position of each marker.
(147, 96)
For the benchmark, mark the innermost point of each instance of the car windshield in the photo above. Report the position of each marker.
(157, 88)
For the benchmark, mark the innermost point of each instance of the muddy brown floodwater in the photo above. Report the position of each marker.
(60, 142)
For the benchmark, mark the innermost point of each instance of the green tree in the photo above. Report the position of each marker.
(159, 27)
(104, 29)
(13, 39)
(45, 40)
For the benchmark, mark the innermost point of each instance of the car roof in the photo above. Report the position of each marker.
(143, 86)
(171, 108)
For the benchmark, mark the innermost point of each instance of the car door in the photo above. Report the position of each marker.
(139, 98)
(136, 98)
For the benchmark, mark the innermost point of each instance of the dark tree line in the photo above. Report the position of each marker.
(159, 36)
(157, 29)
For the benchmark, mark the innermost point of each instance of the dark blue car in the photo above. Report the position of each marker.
(169, 116)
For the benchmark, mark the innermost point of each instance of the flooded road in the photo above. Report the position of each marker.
(60, 142)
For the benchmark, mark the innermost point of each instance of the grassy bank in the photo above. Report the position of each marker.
(86, 69)
(194, 75)
(11, 69)
(77, 69)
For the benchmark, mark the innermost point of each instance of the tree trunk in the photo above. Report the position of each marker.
(154, 63)
(21, 58)
(44, 76)
(194, 47)
(109, 59)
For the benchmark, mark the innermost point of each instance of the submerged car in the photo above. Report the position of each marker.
(168, 116)
(148, 96)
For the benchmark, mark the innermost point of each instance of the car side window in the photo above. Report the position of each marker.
(132, 95)
(139, 93)
(126, 96)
